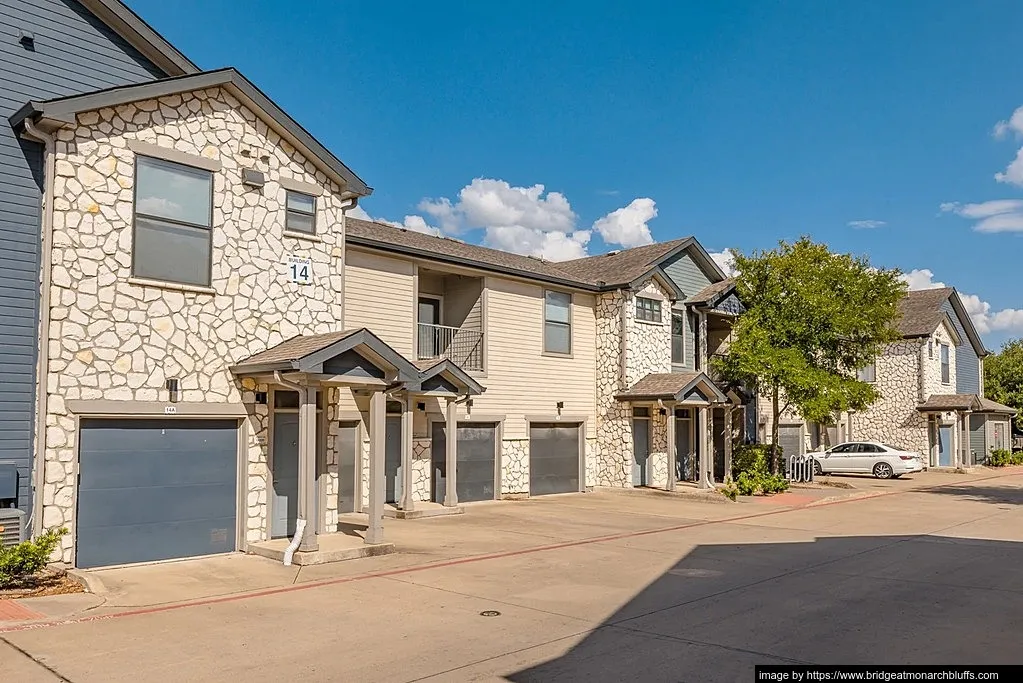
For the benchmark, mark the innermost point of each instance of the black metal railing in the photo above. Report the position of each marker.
(461, 345)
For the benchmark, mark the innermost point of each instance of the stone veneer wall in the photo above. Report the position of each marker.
(112, 338)
(648, 349)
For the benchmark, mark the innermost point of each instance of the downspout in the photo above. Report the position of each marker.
(35, 522)
(300, 523)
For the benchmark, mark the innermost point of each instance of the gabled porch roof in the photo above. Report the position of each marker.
(353, 353)
(681, 387)
(445, 376)
(938, 403)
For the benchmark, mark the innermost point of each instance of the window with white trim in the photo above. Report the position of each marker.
(172, 239)
(946, 375)
(557, 322)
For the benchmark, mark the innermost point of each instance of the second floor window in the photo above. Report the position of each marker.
(648, 309)
(301, 213)
(173, 216)
(678, 343)
(557, 322)
(945, 373)
(867, 373)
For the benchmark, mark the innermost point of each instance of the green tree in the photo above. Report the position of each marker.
(812, 319)
(1003, 376)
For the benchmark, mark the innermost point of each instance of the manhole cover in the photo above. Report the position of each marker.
(695, 573)
(490, 613)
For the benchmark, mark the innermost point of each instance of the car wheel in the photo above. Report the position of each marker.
(817, 469)
(883, 470)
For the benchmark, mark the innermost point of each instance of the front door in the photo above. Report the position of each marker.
(429, 333)
(392, 459)
(640, 451)
(348, 467)
(284, 503)
(685, 457)
(945, 446)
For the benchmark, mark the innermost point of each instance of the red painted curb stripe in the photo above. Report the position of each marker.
(464, 560)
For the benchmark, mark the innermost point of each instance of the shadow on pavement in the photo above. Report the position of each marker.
(722, 609)
(1001, 495)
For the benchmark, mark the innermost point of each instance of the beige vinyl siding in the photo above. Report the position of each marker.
(520, 380)
(379, 295)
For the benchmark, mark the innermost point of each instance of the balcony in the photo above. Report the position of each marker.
(461, 345)
(449, 318)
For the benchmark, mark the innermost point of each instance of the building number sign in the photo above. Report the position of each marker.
(300, 270)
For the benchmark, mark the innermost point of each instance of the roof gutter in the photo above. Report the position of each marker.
(43, 357)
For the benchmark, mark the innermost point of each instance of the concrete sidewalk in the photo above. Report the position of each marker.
(487, 529)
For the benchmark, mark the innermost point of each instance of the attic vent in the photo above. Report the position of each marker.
(541, 259)
(613, 252)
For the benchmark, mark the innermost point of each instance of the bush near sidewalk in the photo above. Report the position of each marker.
(750, 467)
(1001, 457)
(18, 562)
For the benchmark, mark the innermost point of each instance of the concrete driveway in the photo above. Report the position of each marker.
(587, 587)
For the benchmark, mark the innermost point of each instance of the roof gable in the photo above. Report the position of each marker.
(55, 113)
(921, 312)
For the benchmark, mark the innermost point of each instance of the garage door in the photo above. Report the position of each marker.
(790, 437)
(553, 458)
(476, 461)
(155, 490)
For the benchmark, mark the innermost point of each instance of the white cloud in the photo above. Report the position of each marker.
(627, 226)
(866, 224)
(985, 320)
(1013, 125)
(554, 246)
(997, 215)
(725, 260)
(1013, 173)
(528, 220)
(414, 223)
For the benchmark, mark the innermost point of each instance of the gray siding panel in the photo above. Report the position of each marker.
(978, 438)
(967, 362)
(690, 279)
(74, 53)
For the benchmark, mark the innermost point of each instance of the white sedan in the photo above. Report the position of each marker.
(867, 457)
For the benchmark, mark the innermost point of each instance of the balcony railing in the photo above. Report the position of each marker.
(461, 345)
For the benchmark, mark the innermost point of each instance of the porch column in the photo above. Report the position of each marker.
(729, 436)
(966, 460)
(307, 507)
(451, 454)
(672, 453)
(377, 439)
(406, 503)
(706, 452)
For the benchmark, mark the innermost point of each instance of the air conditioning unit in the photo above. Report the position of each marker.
(12, 527)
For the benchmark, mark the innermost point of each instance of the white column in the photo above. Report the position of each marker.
(307, 504)
(672, 453)
(406, 503)
(728, 441)
(377, 439)
(966, 461)
(451, 454)
(706, 456)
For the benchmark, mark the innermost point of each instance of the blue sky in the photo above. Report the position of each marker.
(741, 124)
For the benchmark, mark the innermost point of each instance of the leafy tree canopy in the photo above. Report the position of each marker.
(813, 317)
(1003, 376)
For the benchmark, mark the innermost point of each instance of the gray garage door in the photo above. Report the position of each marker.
(476, 458)
(790, 437)
(553, 458)
(156, 490)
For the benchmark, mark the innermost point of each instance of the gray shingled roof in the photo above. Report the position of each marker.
(296, 348)
(921, 312)
(388, 237)
(989, 406)
(668, 385)
(621, 267)
(711, 291)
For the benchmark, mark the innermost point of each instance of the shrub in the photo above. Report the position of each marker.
(753, 458)
(748, 483)
(999, 458)
(775, 483)
(730, 490)
(20, 561)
